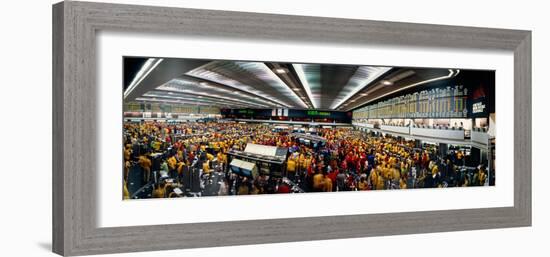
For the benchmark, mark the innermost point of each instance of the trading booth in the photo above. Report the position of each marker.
(244, 168)
(314, 141)
(269, 160)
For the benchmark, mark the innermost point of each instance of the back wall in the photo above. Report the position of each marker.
(26, 139)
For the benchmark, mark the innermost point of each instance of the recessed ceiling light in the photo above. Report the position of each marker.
(204, 83)
(280, 70)
(364, 94)
(295, 89)
(387, 83)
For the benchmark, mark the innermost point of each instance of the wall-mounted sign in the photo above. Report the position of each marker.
(279, 112)
(478, 107)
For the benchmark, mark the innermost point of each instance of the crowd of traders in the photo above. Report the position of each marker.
(348, 160)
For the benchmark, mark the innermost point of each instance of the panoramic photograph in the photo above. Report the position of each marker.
(199, 127)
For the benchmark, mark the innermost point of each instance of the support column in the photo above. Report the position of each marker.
(443, 147)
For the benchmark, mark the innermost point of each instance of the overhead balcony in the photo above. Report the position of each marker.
(438, 132)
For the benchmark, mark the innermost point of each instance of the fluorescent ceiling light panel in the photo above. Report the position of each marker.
(178, 102)
(314, 76)
(260, 70)
(387, 82)
(147, 99)
(280, 70)
(145, 69)
(204, 90)
(204, 99)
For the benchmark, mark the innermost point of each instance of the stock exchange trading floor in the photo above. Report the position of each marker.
(343, 159)
(229, 127)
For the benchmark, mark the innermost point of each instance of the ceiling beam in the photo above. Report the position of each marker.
(363, 77)
(288, 75)
(236, 91)
(165, 71)
(232, 74)
(299, 69)
(197, 96)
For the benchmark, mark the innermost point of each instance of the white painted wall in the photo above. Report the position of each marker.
(26, 73)
(439, 133)
(480, 137)
(397, 129)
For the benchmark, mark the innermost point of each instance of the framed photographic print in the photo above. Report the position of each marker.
(184, 128)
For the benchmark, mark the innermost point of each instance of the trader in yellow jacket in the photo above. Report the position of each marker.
(328, 184)
(221, 157)
(291, 166)
(374, 178)
(160, 191)
(125, 192)
(206, 167)
(172, 163)
(319, 182)
(301, 161)
(209, 156)
(145, 164)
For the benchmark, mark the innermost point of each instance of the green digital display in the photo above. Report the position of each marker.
(318, 113)
(246, 111)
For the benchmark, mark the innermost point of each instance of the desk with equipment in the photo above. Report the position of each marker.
(310, 140)
(258, 159)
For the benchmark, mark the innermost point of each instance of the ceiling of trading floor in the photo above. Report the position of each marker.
(241, 84)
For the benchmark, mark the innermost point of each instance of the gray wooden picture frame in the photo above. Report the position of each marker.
(75, 25)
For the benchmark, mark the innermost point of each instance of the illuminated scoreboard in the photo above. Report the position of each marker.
(448, 102)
